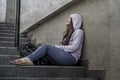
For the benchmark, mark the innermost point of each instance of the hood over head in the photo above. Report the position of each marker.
(76, 20)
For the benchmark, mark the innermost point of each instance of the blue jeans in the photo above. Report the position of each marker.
(59, 56)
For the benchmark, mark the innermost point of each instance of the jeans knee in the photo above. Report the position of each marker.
(46, 46)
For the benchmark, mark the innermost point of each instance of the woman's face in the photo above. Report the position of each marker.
(68, 21)
(69, 24)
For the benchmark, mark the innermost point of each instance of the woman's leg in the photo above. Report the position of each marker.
(59, 56)
(41, 51)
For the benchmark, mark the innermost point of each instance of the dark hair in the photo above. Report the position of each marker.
(68, 33)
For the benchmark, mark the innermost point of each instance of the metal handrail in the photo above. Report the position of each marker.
(17, 23)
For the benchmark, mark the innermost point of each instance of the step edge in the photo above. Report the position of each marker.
(9, 55)
(13, 38)
(44, 78)
(8, 47)
(43, 66)
(9, 42)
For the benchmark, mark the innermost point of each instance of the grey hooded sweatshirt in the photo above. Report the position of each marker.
(76, 40)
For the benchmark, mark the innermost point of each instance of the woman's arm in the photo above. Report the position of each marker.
(77, 39)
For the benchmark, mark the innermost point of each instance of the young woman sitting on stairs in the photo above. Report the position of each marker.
(68, 53)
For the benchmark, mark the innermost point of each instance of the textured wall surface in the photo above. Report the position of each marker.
(10, 12)
(33, 11)
(115, 40)
(2, 10)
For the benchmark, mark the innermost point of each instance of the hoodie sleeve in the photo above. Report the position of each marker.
(77, 39)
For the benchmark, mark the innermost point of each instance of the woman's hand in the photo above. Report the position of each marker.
(57, 46)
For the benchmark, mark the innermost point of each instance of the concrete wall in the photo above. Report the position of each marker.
(115, 40)
(2, 10)
(101, 26)
(10, 11)
(33, 11)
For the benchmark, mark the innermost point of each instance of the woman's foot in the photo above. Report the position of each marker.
(22, 61)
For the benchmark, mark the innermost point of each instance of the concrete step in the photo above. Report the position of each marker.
(7, 31)
(6, 44)
(12, 39)
(47, 78)
(6, 28)
(8, 51)
(6, 24)
(5, 59)
(41, 71)
(9, 44)
(10, 35)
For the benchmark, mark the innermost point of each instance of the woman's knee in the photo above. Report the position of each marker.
(46, 46)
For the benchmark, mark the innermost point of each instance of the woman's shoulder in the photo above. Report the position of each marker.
(78, 32)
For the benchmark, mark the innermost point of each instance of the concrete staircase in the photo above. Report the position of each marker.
(9, 71)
